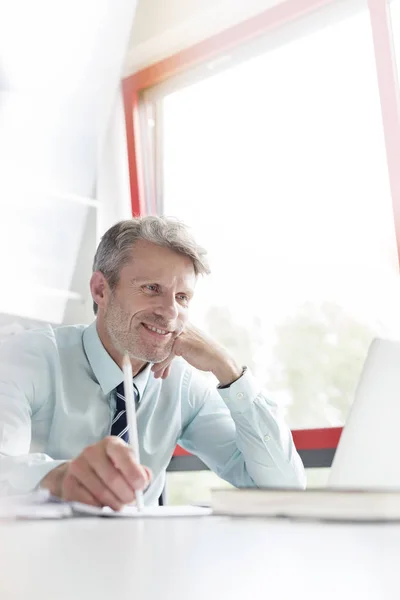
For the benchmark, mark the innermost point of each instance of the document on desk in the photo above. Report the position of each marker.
(41, 505)
(131, 512)
(37, 505)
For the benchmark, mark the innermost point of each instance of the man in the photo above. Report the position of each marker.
(62, 410)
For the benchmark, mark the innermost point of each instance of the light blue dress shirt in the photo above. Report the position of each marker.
(57, 397)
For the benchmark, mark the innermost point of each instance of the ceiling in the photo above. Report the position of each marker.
(162, 28)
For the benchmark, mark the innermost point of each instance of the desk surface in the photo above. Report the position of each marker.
(197, 558)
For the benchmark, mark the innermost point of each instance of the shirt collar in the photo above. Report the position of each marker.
(105, 369)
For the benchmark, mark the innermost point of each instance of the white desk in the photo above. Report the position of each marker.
(193, 559)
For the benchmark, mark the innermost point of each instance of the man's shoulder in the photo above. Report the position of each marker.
(69, 335)
(44, 339)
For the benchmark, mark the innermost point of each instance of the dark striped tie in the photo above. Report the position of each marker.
(119, 425)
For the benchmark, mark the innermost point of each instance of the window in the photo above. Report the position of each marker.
(277, 161)
(274, 153)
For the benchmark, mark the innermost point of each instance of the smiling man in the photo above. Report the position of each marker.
(63, 423)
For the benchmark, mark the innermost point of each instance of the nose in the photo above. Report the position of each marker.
(168, 307)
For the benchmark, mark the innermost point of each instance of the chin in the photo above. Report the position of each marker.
(157, 358)
(152, 355)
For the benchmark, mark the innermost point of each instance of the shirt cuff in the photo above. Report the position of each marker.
(240, 395)
(222, 387)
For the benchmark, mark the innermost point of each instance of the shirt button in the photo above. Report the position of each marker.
(240, 395)
(267, 438)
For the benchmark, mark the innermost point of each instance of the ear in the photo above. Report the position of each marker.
(99, 289)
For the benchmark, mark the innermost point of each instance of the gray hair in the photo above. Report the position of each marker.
(115, 247)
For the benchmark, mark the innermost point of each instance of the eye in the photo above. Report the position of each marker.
(151, 287)
(183, 299)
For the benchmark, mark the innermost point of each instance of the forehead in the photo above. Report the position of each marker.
(150, 262)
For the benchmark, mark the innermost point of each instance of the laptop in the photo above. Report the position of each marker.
(368, 454)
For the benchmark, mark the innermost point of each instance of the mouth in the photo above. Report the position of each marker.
(156, 331)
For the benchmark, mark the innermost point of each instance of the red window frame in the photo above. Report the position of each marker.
(269, 20)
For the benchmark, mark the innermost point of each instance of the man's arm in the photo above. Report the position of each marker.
(104, 474)
(236, 431)
(238, 434)
(24, 390)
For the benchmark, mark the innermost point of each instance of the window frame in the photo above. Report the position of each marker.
(141, 144)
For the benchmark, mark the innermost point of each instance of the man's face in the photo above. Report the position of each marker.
(148, 308)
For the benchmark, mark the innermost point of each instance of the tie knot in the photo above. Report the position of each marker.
(120, 389)
(120, 397)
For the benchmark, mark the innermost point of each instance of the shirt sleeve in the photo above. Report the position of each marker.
(236, 432)
(24, 389)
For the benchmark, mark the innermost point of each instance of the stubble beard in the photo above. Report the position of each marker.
(117, 324)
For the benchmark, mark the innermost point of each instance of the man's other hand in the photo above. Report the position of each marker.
(104, 474)
(203, 353)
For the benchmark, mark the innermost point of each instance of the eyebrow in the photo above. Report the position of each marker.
(142, 280)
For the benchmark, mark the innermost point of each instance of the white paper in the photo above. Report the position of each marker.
(148, 511)
(37, 497)
(41, 505)
(36, 505)
(33, 511)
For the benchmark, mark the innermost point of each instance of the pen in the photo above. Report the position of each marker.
(131, 419)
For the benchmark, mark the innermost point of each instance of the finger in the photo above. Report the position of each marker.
(149, 474)
(105, 469)
(164, 363)
(165, 374)
(101, 490)
(179, 345)
(159, 368)
(162, 373)
(75, 491)
(123, 459)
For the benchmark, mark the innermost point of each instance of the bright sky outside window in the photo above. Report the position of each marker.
(279, 165)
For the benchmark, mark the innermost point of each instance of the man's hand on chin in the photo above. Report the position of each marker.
(105, 474)
(203, 353)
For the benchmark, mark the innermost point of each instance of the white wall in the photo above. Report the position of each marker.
(163, 27)
(113, 188)
(60, 69)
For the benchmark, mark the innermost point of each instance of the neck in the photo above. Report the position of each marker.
(137, 365)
